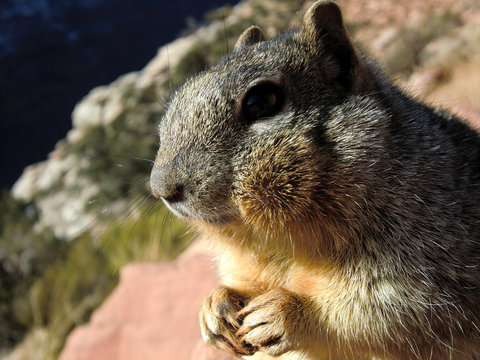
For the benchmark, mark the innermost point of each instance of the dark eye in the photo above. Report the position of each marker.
(262, 100)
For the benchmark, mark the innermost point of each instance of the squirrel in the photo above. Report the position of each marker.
(346, 212)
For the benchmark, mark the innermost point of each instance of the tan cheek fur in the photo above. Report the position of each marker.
(283, 203)
(277, 190)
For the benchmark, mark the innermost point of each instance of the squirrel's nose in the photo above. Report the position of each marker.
(174, 194)
(166, 187)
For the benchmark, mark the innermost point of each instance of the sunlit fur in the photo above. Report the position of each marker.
(350, 218)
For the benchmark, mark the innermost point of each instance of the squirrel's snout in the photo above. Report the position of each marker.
(166, 188)
(175, 194)
(171, 194)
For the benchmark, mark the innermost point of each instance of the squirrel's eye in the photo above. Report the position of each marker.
(262, 100)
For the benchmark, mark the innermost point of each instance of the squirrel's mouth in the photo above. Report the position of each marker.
(179, 210)
(213, 216)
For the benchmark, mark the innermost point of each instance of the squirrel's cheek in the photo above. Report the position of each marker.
(277, 193)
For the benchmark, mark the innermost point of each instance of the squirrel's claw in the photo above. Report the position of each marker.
(218, 321)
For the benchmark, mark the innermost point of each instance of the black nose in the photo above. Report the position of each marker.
(167, 186)
(175, 194)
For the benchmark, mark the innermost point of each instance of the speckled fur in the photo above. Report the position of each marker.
(349, 222)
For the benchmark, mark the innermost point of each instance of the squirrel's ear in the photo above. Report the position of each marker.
(323, 16)
(249, 37)
(324, 31)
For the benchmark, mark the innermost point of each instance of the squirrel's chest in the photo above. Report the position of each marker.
(243, 270)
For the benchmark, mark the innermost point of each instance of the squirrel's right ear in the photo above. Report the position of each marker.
(249, 37)
(324, 32)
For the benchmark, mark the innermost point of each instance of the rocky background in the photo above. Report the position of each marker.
(72, 222)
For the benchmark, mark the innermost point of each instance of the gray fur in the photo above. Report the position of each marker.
(408, 174)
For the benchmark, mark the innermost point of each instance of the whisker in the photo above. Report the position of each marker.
(148, 160)
(225, 30)
(165, 102)
(256, 197)
(244, 218)
(270, 157)
(168, 70)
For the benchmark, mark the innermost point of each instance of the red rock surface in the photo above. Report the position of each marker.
(152, 314)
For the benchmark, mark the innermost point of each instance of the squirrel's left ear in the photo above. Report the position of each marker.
(249, 37)
(324, 32)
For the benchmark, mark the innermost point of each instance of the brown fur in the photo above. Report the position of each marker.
(346, 220)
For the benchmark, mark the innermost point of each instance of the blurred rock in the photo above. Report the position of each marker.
(152, 314)
(469, 112)
(36, 339)
(422, 82)
(203, 351)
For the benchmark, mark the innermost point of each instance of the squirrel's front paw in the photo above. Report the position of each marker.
(219, 323)
(272, 322)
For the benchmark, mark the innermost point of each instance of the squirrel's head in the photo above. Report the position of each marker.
(245, 142)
